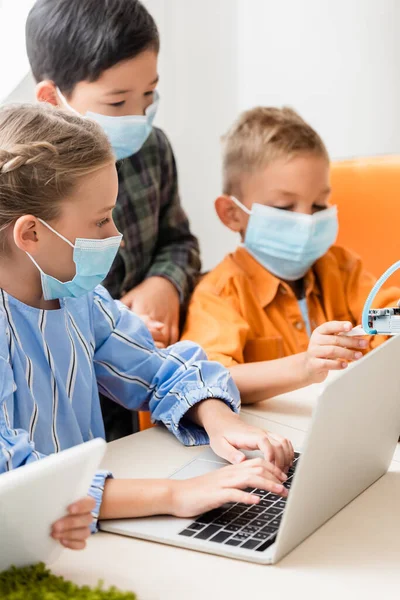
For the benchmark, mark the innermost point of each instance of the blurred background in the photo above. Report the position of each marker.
(337, 63)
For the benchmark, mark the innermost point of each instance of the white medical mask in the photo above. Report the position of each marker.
(287, 243)
(93, 259)
(126, 134)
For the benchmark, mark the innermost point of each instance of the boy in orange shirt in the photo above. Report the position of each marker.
(274, 310)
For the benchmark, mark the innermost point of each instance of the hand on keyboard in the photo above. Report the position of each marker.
(230, 435)
(191, 497)
(251, 527)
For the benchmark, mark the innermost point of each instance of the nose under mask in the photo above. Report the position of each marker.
(93, 259)
(286, 243)
(126, 134)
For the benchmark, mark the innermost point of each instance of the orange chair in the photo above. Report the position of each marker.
(367, 193)
(144, 421)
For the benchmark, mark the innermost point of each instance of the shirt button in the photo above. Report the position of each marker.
(299, 325)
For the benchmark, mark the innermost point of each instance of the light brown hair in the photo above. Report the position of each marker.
(262, 135)
(43, 153)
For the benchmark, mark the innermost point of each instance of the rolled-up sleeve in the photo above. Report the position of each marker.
(96, 491)
(133, 372)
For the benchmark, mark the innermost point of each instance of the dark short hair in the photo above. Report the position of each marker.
(69, 41)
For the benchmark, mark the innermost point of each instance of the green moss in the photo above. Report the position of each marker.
(37, 583)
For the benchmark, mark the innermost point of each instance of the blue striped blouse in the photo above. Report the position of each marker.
(52, 364)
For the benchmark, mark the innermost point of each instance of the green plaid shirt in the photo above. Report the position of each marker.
(157, 238)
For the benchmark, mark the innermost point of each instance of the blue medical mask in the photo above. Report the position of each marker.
(126, 134)
(93, 260)
(287, 243)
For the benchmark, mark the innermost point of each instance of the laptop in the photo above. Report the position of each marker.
(350, 445)
(36, 495)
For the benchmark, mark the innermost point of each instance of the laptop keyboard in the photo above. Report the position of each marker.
(253, 527)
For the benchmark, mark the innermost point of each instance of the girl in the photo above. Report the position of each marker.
(65, 338)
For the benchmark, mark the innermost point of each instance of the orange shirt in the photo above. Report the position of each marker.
(241, 313)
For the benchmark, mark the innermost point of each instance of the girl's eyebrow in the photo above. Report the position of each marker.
(106, 209)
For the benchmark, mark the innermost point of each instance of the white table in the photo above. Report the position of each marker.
(355, 555)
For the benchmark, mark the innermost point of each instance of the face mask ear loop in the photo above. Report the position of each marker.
(34, 262)
(65, 102)
(56, 232)
(371, 297)
(240, 205)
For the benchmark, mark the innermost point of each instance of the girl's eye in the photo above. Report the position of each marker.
(116, 104)
(149, 93)
(103, 222)
(319, 207)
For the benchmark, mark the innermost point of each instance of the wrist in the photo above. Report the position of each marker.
(170, 497)
(164, 282)
(213, 414)
(308, 374)
(176, 498)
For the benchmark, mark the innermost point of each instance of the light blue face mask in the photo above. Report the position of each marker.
(286, 243)
(93, 260)
(126, 134)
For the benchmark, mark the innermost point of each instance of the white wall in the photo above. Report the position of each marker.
(24, 91)
(338, 63)
(14, 62)
(198, 87)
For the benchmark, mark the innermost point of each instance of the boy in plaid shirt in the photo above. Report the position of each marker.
(99, 59)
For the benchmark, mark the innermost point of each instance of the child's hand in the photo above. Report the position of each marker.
(191, 497)
(328, 350)
(156, 302)
(229, 434)
(227, 438)
(74, 529)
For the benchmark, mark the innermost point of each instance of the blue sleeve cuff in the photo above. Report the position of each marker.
(96, 491)
(189, 433)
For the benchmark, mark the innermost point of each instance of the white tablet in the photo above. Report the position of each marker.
(36, 495)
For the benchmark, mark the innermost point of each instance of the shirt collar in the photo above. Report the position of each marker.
(265, 283)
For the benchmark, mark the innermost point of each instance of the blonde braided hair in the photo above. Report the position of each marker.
(43, 153)
(28, 154)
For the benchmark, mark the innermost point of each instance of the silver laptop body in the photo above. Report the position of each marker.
(351, 441)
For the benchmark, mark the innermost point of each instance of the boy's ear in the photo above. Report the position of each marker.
(46, 92)
(229, 213)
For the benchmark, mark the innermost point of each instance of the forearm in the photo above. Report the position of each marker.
(128, 498)
(261, 380)
(209, 412)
